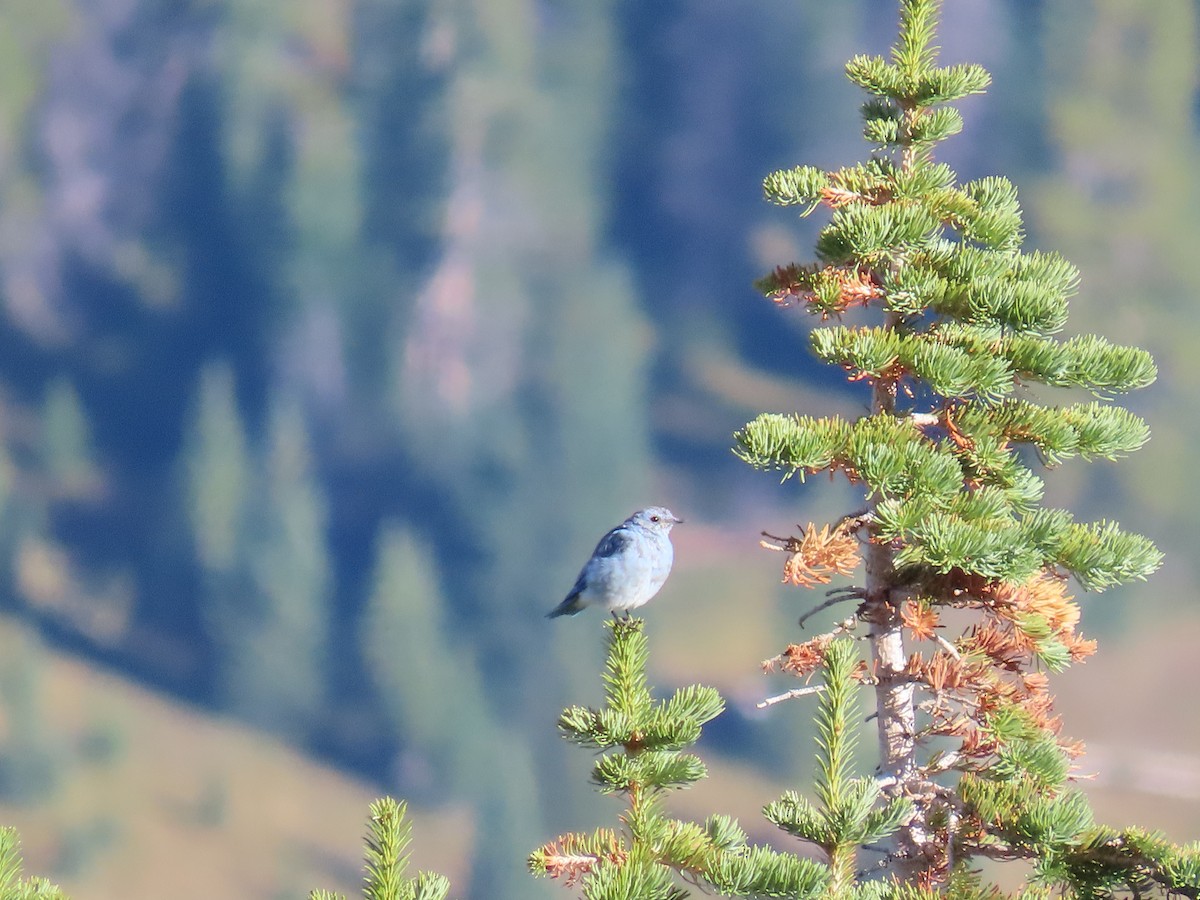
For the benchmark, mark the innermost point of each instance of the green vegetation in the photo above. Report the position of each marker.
(331, 330)
(388, 836)
(971, 764)
(12, 887)
(259, 530)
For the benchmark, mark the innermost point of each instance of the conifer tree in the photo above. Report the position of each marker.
(386, 860)
(961, 336)
(66, 440)
(642, 743)
(12, 886)
(404, 639)
(278, 675)
(218, 471)
(260, 541)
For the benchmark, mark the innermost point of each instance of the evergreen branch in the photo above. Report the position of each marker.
(10, 861)
(914, 52)
(947, 366)
(636, 878)
(1102, 555)
(1056, 830)
(388, 837)
(11, 866)
(1179, 870)
(895, 459)
(798, 817)
(1026, 307)
(928, 87)
(1086, 429)
(386, 860)
(826, 291)
(949, 83)
(723, 832)
(849, 813)
(873, 74)
(431, 886)
(835, 735)
(1087, 361)
(920, 184)
(874, 235)
(760, 872)
(945, 542)
(584, 726)
(797, 444)
(1043, 820)
(958, 361)
(695, 703)
(653, 770)
(939, 527)
(571, 856)
(954, 372)
(625, 673)
(801, 186)
(647, 763)
(930, 127)
(995, 219)
(888, 454)
(684, 846)
(1025, 752)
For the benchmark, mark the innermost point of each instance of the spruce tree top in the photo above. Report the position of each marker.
(968, 323)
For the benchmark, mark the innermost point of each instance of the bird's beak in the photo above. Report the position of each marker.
(676, 521)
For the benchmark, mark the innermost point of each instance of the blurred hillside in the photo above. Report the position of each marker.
(335, 332)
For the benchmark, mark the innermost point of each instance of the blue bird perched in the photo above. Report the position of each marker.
(627, 567)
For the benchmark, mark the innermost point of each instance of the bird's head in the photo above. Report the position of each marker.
(655, 518)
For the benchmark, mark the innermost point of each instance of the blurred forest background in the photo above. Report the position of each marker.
(334, 334)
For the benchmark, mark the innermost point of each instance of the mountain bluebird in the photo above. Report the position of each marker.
(627, 567)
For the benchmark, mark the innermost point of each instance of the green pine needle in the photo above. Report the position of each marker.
(11, 885)
(388, 837)
(801, 186)
(625, 675)
(655, 769)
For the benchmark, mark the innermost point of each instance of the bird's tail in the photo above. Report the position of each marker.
(568, 607)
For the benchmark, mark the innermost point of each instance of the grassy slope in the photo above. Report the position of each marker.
(196, 806)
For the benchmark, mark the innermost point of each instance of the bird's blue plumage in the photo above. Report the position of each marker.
(628, 566)
(614, 542)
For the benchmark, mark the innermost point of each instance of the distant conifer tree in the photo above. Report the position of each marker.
(261, 544)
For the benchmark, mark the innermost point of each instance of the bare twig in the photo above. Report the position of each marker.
(843, 594)
(946, 645)
(788, 695)
(951, 828)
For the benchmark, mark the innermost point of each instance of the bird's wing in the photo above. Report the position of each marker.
(613, 543)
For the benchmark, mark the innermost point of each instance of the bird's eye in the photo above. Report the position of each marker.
(654, 518)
